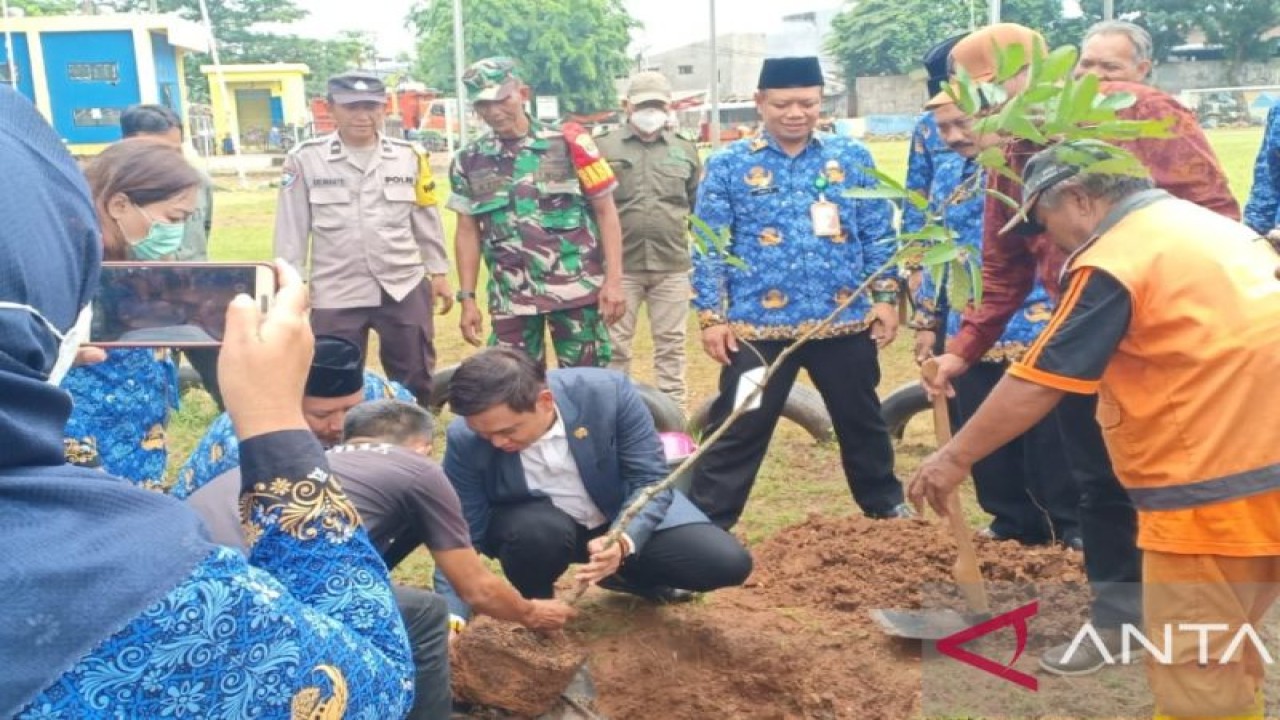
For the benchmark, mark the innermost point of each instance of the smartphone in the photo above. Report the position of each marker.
(173, 304)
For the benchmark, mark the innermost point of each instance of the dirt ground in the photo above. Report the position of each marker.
(797, 641)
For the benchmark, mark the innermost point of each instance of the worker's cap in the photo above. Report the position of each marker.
(648, 86)
(1059, 163)
(978, 54)
(491, 79)
(937, 63)
(356, 87)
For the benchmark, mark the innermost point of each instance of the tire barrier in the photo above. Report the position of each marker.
(667, 415)
(903, 404)
(804, 407)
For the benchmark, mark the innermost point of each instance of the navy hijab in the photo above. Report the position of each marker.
(81, 552)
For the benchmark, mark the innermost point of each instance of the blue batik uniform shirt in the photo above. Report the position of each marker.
(926, 152)
(1262, 211)
(121, 412)
(953, 175)
(790, 278)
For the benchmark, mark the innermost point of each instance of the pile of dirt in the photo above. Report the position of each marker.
(797, 641)
(499, 664)
(851, 565)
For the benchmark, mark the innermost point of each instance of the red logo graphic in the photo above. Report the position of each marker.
(950, 645)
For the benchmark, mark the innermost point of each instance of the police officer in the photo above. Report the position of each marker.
(367, 204)
(537, 203)
(658, 173)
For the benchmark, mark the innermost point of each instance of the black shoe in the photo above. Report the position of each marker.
(901, 511)
(654, 593)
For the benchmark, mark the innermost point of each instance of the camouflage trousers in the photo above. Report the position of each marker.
(578, 335)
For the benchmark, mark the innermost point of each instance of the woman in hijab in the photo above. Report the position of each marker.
(115, 604)
(143, 191)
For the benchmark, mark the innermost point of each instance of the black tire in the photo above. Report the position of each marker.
(440, 380)
(188, 378)
(667, 415)
(804, 407)
(903, 404)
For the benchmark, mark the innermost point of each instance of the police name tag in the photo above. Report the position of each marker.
(826, 217)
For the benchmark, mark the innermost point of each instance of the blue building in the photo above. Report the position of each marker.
(81, 71)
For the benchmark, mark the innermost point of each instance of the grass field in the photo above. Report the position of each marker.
(799, 477)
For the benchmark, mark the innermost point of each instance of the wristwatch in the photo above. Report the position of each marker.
(464, 295)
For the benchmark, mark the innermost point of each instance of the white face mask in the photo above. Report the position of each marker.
(649, 120)
(69, 342)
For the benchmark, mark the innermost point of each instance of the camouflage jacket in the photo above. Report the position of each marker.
(531, 199)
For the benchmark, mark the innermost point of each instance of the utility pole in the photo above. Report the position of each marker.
(994, 11)
(8, 47)
(1108, 9)
(233, 120)
(715, 81)
(459, 58)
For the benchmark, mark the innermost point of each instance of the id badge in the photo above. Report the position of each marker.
(826, 218)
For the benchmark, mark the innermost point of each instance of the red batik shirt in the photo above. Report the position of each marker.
(1183, 164)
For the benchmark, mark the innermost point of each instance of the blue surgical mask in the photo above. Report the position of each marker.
(162, 240)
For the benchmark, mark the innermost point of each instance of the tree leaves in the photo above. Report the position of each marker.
(572, 49)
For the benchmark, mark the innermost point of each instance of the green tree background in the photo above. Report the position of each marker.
(573, 49)
(888, 37)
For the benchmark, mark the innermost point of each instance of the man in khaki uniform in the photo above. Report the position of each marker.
(367, 204)
(658, 172)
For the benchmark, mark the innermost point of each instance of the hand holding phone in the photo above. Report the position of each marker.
(172, 304)
(265, 359)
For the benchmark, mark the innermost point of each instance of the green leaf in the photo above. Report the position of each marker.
(1018, 125)
(1083, 99)
(918, 200)
(959, 284)
(1010, 60)
(1003, 198)
(975, 279)
(968, 98)
(873, 193)
(991, 157)
(928, 232)
(884, 180)
(940, 253)
(1117, 101)
(1059, 64)
(1040, 93)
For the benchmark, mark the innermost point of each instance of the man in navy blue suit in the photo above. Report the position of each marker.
(544, 464)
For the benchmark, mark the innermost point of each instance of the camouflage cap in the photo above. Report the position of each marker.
(491, 79)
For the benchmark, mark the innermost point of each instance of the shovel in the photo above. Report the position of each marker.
(937, 624)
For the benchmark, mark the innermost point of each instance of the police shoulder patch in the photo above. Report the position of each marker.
(288, 178)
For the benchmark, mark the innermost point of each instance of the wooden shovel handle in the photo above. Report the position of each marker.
(967, 573)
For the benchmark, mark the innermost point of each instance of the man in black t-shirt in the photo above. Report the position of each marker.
(404, 501)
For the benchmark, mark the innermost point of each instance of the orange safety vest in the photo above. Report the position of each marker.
(1190, 402)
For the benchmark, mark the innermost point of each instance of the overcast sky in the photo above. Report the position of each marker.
(667, 23)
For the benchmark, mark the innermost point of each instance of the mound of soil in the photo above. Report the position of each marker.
(502, 665)
(797, 641)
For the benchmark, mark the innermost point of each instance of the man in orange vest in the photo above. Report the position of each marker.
(1171, 314)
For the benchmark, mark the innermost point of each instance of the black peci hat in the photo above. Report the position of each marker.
(790, 72)
(337, 369)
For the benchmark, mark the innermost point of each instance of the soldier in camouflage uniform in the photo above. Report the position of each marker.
(536, 202)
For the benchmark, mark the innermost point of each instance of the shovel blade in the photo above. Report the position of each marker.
(923, 624)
